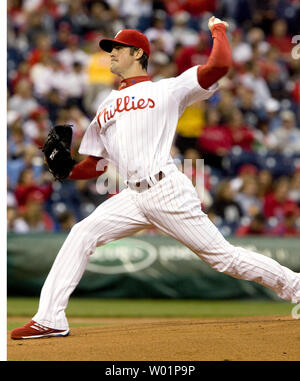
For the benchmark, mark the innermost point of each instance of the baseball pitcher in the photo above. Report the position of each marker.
(134, 128)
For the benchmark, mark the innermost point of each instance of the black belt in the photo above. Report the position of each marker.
(144, 183)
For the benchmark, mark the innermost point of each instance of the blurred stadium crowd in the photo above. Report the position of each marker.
(248, 133)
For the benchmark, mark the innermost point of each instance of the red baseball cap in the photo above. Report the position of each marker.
(248, 168)
(127, 37)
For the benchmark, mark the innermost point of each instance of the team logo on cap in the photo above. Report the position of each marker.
(118, 33)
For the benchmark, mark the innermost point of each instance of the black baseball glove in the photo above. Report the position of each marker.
(57, 151)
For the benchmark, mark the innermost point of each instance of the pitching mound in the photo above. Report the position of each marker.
(263, 338)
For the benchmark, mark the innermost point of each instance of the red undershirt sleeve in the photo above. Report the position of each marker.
(86, 169)
(219, 60)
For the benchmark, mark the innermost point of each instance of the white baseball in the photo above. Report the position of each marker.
(214, 20)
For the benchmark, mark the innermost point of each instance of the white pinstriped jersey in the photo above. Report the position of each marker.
(134, 127)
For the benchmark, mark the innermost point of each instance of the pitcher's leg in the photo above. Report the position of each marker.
(176, 211)
(116, 218)
(241, 263)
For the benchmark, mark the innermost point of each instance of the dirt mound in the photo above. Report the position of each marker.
(263, 338)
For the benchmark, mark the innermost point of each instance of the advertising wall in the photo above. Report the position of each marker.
(141, 267)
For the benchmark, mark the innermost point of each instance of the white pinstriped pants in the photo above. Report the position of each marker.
(172, 205)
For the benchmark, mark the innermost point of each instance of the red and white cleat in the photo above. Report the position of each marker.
(34, 330)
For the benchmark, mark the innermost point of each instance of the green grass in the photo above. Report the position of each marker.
(81, 307)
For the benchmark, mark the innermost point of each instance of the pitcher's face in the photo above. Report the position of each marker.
(121, 59)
